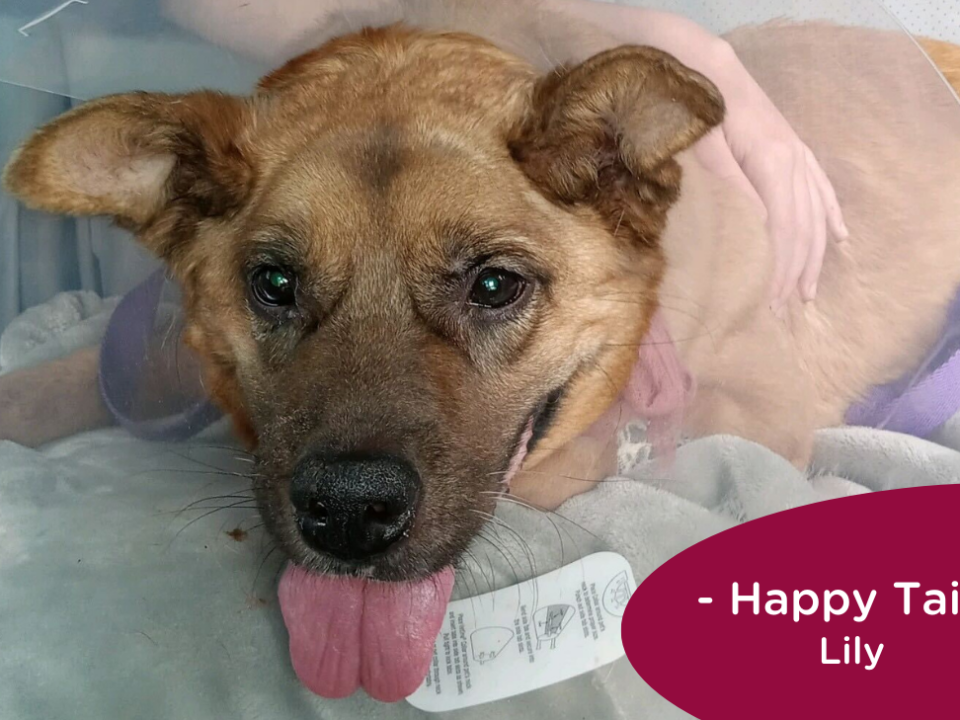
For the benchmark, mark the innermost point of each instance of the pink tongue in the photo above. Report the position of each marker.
(347, 633)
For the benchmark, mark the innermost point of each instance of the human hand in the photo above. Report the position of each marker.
(53, 400)
(756, 149)
(800, 202)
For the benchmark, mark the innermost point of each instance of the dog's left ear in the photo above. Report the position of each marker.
(606, 132)
(140, 158)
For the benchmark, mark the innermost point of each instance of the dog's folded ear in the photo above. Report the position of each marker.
(131, 156)
(607, 130)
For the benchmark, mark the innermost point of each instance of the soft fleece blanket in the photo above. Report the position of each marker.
(122, 596)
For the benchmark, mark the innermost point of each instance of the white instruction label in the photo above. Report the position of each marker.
(529, 636)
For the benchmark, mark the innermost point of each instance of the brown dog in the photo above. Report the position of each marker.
(410, 257)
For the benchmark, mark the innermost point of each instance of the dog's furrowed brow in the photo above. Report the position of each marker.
(469, 245)
(275, 245)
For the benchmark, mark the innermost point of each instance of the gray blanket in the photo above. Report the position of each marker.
(135, 583)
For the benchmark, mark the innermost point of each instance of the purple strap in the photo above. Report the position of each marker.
(922, 401)
(123, 356)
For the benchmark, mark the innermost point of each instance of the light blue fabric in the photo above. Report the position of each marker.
(115, 604)
(124, 597)
(83, 52)
(41, 256)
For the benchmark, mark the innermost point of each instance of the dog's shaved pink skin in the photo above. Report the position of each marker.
(517, 462)
(660, 388)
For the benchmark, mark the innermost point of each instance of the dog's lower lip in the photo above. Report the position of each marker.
(367, 570)
(373, 567)
(543, 415)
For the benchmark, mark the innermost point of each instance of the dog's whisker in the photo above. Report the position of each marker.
(236, 524)
(691, 314)
(524, 545)
(660, 296)
(214, 469)
(642, 300)
(174, 515)
(167, 334)
(266, 557)
(233, 496)
(204, 445)
(206, 514)
(560, 476)
(619, 222)
(658, 343)
(276, 575)
(244, 504)
(473, 577)
(556, 528)
(503, 549)
(203, 488)
(613, 386)
(510, 563)
(219, 473)
(265, 538)
(232, 506)
(207, 465)
(550, 513)
(488, 580)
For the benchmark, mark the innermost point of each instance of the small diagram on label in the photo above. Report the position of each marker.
(550, 622)
(488, 643)
(617, 595)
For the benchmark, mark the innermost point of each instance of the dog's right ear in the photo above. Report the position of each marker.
(137, 156)
(605, 133)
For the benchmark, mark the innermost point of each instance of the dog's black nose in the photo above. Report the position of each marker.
(354, 507)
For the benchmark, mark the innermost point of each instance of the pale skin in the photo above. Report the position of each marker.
(756, 149)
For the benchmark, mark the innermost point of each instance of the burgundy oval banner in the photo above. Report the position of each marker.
(841, 609)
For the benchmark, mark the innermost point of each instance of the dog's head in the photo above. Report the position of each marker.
(407, 260)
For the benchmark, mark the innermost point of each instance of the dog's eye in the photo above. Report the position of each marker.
(274, 286)
(494, 288)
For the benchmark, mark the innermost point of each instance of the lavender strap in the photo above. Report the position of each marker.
(921, 402)
(123, 356)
